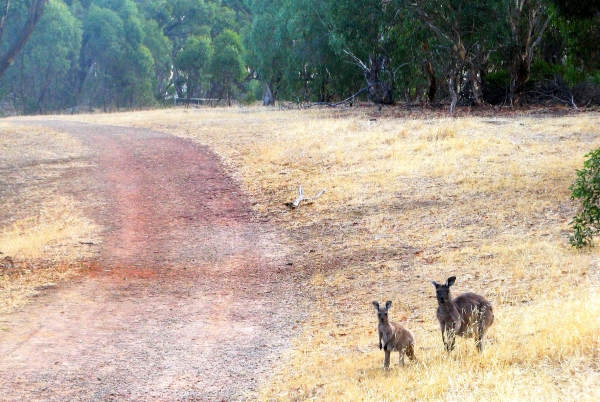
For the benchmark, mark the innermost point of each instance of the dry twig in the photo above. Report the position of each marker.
(301, 198)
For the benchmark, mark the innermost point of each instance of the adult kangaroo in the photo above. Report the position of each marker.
(468, 315)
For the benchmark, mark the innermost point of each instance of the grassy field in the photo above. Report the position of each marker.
(40, 228)
(409, 199)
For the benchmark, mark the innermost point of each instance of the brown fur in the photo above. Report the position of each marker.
(393, 337)
(468, 315)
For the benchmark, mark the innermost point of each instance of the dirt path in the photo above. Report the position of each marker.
(189, 299)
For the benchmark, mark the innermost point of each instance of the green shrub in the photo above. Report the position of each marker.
(498, 79)
(586, 188)
(541, 70)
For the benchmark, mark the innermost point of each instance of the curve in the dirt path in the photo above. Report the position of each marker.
(185, 303)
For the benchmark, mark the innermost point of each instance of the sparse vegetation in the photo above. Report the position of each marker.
(40, 229)
(409, 199)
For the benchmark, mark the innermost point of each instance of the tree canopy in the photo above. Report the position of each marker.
(112, 54)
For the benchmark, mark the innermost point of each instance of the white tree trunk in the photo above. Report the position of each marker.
(267, 95)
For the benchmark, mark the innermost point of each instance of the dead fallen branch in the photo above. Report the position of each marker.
(7, 263)
(301, 198)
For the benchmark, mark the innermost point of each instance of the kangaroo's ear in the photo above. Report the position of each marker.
(376, 305)
(451, 281)
(388, 304)
(434, 283)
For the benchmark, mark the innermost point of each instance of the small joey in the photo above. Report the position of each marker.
(393, 337)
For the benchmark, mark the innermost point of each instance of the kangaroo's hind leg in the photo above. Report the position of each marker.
(410, 352)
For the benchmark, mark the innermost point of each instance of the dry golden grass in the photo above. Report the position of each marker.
(411, 199)
(40, 229)
(531, 355)
(29, 278)
(53, 233)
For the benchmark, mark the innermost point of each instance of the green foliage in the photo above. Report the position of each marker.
(160, 48)
(586, 189)
(40, 72)
(252, 92)
(133, 53)
(228, 38)
(119, 66)
(582, 38)
(266, 40)
(578, 9)
(193, 62)
(195, 56)
(498, 79)
(542, 70)
(227, 65)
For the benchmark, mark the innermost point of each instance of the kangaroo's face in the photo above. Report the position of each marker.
(382, 316)
(442, 292)
(382, 312)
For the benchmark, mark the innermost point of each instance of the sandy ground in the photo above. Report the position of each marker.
(187, 300)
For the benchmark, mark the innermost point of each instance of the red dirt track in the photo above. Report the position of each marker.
(187, 299)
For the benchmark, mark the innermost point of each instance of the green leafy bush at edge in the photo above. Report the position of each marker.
(586, 188)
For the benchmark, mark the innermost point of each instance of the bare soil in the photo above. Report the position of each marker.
(188, 299)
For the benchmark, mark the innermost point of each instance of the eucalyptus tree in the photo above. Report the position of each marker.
(464, 35)
(317, 50)
(315, 71)
(160, 48)
(227, 65)
(528, 21)
(193, 63)
(365, 32)
(38, 79)
(184, 19)
(17, 22)
(267, 44)
(579, 23)
(115, 65)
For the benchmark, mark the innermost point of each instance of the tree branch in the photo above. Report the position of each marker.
(358, 61)
(36, 9)
(3, 20)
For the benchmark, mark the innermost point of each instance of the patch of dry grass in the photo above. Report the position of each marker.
(53, 233)
(411, 199)
(40, 229)
(29, 277)
(530, 355)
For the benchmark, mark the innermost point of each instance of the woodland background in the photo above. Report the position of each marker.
(129, 54)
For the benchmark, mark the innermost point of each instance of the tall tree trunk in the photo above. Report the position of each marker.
(36, 9)
(268, 96)
(432, 83)
(478, 67)
(3, 19)
(189, 91)
(527, 25)
(452, 82)
(220, 96)
(177, 82)
(431, 77)
(519, 70)
(380, 92)
(475, 81)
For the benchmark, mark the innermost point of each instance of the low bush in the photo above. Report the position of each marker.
(586, 189)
